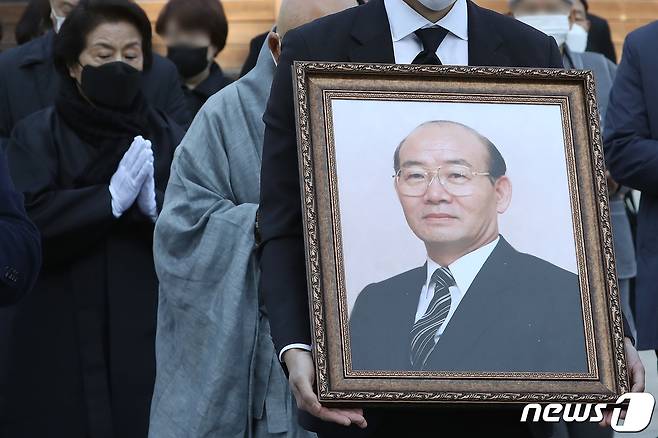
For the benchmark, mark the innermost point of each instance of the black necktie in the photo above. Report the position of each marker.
(424, 330)
(431, 38)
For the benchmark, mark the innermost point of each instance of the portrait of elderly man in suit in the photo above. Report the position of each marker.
(476, 304)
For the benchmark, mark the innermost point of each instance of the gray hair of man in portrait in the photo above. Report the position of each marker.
(497, 164)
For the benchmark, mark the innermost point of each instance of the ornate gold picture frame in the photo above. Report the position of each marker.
(351, 119)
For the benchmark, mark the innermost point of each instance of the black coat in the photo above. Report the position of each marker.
(599, 39)
(81, 358)
(20, 243)
(631, 149)
(520, 314)
(28, 83)
(196, 97)
(255, 45)
(359, 34)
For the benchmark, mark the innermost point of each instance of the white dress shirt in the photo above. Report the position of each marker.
(404, 21)
(464, 270)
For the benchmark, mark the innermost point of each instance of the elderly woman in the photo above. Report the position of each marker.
(93, 171)
(195, 32)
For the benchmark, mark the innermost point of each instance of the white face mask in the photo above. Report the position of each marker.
(556, 26)
(437, 5)
(57, 20)
(577, 38)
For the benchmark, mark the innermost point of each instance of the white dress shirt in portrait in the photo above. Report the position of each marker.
(404, 21)
(464, 270)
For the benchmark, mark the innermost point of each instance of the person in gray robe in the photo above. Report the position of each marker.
(217, 372)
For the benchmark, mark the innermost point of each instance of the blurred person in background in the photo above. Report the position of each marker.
(214, 351)
(579, 31)
(631, 146)
(29, 83)
(558, 18)
(34, 22)
(93, 170)
(195, 33)
(599, 38)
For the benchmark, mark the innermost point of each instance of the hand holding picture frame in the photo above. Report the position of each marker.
(457, 235)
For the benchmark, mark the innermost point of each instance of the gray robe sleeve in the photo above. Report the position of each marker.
(208, 305)
(217, 371)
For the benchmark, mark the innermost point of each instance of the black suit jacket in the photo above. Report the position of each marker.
(631, 152)
(520, 313)
(359, 34)
(20, 243)
(599, 39)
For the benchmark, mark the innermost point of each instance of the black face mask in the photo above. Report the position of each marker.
(114, 85)
(190, 61)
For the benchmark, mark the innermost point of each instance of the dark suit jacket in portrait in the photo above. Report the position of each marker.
(521, 313)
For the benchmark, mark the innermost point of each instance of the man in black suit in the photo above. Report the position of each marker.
(384, 31)
(477, 304)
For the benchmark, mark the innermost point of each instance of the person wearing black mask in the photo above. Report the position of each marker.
(195, 32)
(35, 21)
(29, 83)
(93, 170)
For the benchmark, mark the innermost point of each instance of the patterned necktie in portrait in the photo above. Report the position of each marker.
(424, 330)
(431, 38)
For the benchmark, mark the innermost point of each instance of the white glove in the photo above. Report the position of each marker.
(127, 181)
(146, 197)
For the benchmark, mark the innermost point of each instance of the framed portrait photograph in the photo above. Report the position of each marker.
(457, 233)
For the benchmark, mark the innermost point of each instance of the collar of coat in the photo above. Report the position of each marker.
(39, 50)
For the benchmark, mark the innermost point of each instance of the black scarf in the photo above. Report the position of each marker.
(108, 132)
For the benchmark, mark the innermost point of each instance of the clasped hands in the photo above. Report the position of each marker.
(134, 180)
